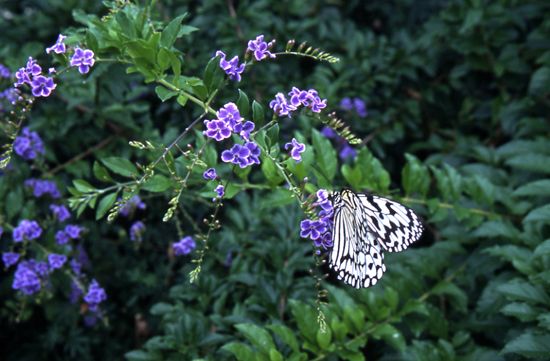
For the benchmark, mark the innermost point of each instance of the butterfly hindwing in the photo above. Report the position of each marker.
(364, 226)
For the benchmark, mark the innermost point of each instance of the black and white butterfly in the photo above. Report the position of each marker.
(365, 226)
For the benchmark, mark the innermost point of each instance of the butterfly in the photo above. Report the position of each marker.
(365, 226)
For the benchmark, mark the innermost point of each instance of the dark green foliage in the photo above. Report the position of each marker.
(458, 100)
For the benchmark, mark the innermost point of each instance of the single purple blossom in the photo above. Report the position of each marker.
(83, 59)
(96, 294)
(10, 258)
(328, 132)
(131, 206)
(312, 229)
(136, 231)
(61, 237)
(42, 86)
(26, 230)
(296, 149)
(244, 129)
(4, 72)
(184, 246)
(32, 67)
(73, 231)
(360, 107)
(56, 260)
(260, 48)
(237, 155)
(59, 46)
(230, 115)
(325, 241)
(255, 152)
(210, 174)
(231, 67)
(22, 77)
(347, 152)
(217, 129)
(346, 103)
(220, 191)
(42, 187)
(26, 278)
(280, 105)
(28, 144)
(41, 268)
(60, 212)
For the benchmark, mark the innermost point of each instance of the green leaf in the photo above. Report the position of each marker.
(270, 172)
(257, 336)
(243, 104)
(171, 31)
(83, 186)
(520, 310)
(101, 173)
(258, 114)
(391, 335)
(530, 345)
(241, 351)
(163, 93)
(213, 75)
(139, 355)
(324, 339)
(537, 188)
(539, 214)
(105, 204)
(325, 154)
(157, 183)
(286, 335)
(306, 319)
(473, 18)
(374, 176)
(542, 249)
(120, 166)
(415, 176)
(182, 99)
(539, 85)
(275, 355)
(538, 163)
(520, 290)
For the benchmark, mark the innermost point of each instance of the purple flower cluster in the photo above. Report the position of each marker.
(136, 231)
(231, 67)
(320, 230)
(59, 46)
(346, 151)
(96, 294)
(356, 104)
(26, 230)
(10, 258)
(60, 212)
(12, 95)
(83, 59)
(42, 187)
(28, 144)
(228, 120)
(56, 260)
(307, 98)
(71, 231)
(41, 85)
(242, 155)
(296, 149)
(131, 206)
(184, 246)
(260, 48)
(28, 276)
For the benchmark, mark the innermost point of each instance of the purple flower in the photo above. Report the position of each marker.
(60, 212)
(22, 77)
(32, 67)
(242, 155)
(297, 149)
(328, 132)
(59, 46)
(316, 103)
(280, 105)
(10, 258)
(75, 293)
(95, 295)
(1, 231)
(73, 231)
(245, 129)
(210, 174)
(4, 71)
(260, 48)
(52, 71)
(56, 260)
(220, 190)
(131, 205)
(76, 266)
(360, 107)
(347, 152)
(312, 229)
(42, 86)
(346, 103)
(26, 278)
(28, 144)
(136, 231)
(61, 238)
(230, 114)
(83, 59)
(26, 230)
(41, 187)
(12, 95)
(231, 67)
(325, 241)
(217, 129)
(184, 246)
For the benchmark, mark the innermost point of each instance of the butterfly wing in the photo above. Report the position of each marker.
(356, 257)
(395, 226)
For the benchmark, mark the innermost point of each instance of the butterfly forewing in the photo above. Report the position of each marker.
(365, 225)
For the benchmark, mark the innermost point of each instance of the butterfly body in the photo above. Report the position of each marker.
(364, 226)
